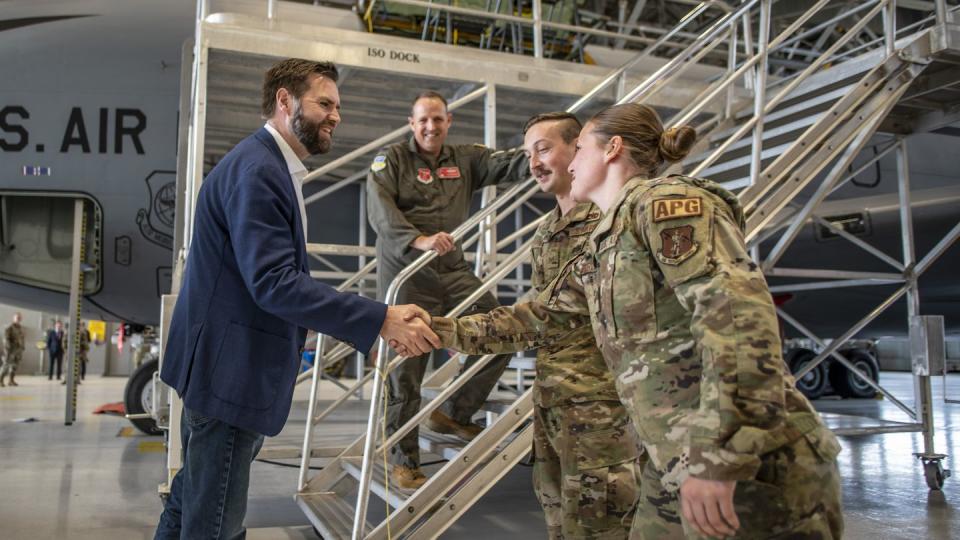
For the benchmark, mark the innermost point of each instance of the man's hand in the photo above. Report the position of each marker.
(708, 506)
(408, 326)
(441, 242)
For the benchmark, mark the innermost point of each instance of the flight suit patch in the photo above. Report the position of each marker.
(677, 245)
(664, 209)
(448, 173)
(424, 176)
(379, 164)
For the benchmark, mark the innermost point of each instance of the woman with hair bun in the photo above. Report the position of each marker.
(687, 325)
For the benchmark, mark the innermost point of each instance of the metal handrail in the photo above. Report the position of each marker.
(380, 373)
(621, 71)
(780, 96)
(672, 67)
(516, 258)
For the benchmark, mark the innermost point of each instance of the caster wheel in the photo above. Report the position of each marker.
(934, 474)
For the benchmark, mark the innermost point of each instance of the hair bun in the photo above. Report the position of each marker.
(676, 142)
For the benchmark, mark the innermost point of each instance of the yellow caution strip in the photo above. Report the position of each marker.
(151, 447)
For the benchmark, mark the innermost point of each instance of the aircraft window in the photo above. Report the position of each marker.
(36, 241)
(856, 224)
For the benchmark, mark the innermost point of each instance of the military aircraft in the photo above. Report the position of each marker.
(90, 111)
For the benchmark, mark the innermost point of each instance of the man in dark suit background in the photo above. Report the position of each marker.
(247, 298)
(55, 348)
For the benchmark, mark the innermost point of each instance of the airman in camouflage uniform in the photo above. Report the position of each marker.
(14, 344)
(83, 350)
(587, 455)
(685, 320)
(414, 199)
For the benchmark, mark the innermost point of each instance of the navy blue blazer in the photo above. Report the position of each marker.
(56, 347)
(247, 298)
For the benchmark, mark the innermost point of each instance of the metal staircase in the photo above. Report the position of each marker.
(785, 146)
(772, 151)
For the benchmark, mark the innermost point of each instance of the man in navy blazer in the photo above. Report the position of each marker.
(56, 346)
(239, 326)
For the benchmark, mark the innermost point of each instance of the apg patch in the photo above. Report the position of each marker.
(677, 245)
(379, 163)
(664, 209)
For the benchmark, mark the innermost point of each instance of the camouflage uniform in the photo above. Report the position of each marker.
(83, 351)
(685, 320)
(14, 345)
(588, 458)
(408, 195)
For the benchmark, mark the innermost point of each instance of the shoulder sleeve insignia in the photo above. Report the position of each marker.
(677, 245)
(379, 163)
(673, 208)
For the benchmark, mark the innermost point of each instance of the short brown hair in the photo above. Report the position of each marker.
(648, 145)
(429, 94)
(292, 74)
(571, 124)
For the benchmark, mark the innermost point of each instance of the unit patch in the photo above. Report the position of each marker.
(424, 176)
(677, 245)
(379, 164)
(664, 209)
(448, 173)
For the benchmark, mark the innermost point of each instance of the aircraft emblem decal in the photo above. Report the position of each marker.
(156, 221)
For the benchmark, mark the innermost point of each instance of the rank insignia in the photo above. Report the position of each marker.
(379, 164)
(677, 245)
(664, 209)
(424, 176)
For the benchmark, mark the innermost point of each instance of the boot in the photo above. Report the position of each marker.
(12, 382)
(406, 478)
(441, 423)
(2, 377)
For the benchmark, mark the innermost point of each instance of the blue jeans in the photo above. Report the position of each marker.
(208, 496)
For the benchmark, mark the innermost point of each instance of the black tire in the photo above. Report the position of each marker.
(934, 475)
(849, 385)
(813, 384)
(133, 396)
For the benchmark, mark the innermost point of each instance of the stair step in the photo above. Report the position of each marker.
(768, 153)
(295, 452)
(849, 69)
(778, 114)
(393, 497)
(494, 405)
(329, 513)
(445, 446)
(768, 134)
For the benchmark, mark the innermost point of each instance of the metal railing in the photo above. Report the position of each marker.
(537, 24)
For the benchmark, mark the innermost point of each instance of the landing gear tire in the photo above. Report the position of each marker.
(813, 384)
(934, 474)
(138, 396)
(849, 385)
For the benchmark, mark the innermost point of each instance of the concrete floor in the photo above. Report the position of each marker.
(97, 479)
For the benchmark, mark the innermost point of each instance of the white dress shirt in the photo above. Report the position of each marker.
(297, 173)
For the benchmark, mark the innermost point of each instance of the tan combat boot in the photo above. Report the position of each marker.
(406, 478)
(441, 423)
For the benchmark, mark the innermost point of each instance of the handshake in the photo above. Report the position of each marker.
(407, 329)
